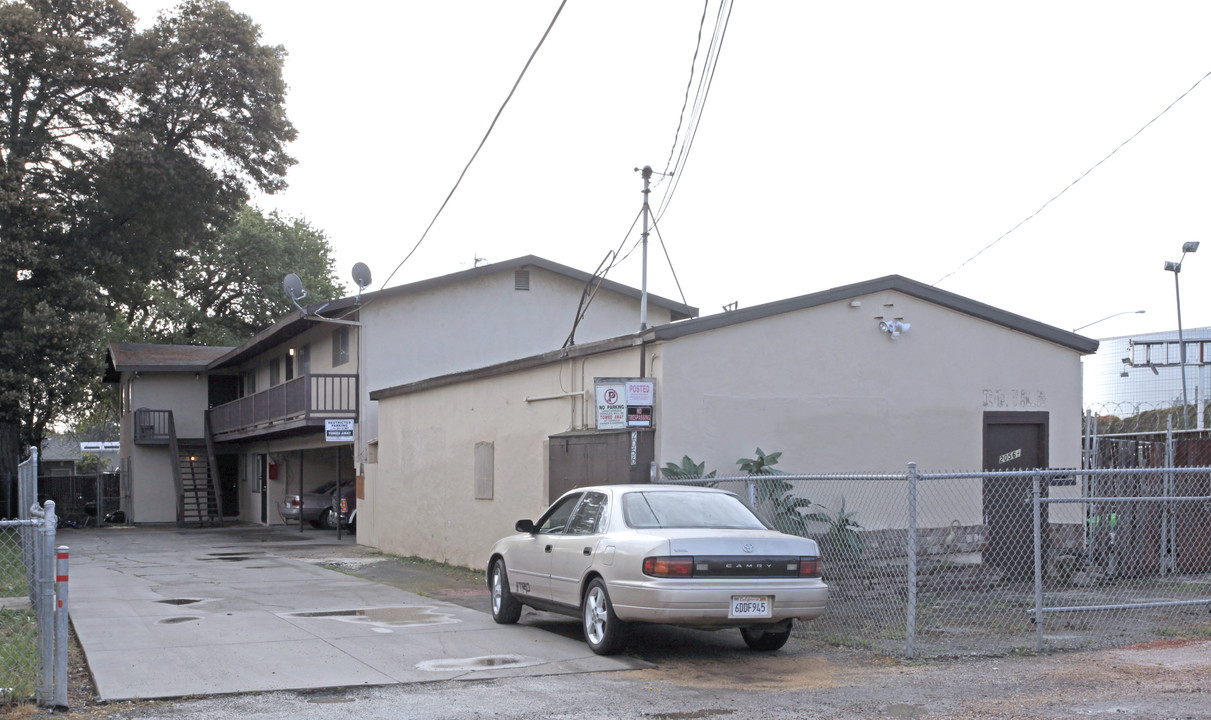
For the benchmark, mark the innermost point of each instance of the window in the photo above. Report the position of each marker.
(556, 519)
(340, 346)
(275, 372)
(249, 382)
(484, 474)
(587, 520)
(305, 360)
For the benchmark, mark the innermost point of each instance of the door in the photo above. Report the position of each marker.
(1013, 441)
(262, 486)
(599, 458)
(529, 562)
(572, 553)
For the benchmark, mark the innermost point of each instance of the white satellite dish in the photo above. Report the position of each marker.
(361, 276)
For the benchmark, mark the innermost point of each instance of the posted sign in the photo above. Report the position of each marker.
(624, 402)
(338, 431)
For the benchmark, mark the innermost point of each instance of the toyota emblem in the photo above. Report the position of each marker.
(748, 548)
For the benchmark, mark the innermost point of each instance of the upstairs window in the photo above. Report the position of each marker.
(305, 360)
(340, 346)
(289, 361)
(275, 372)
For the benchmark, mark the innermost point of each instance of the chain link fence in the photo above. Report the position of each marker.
(951, 564)
(33, 601)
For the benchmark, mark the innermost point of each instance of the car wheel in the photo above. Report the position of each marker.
(765, 640)
(603, 631)
(328, 519)
(505, 608)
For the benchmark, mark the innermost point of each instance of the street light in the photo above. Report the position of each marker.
(1176, 269)
(1095, 322)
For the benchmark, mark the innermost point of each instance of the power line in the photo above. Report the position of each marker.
(481, 144)
(1074, 182)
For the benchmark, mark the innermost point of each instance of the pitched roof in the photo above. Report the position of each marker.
(149, 357)
(843, 293)
(296, 323)
(899, 283)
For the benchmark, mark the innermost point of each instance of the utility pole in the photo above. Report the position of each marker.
(647, 212)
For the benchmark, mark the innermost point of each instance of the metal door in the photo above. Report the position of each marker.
(578, 459)
(1013, 441)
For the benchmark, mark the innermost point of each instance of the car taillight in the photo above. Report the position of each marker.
(294, 502)
(675, 567)
(344, 505)
(809, 567)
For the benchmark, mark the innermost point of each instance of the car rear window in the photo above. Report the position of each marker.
(687, 510)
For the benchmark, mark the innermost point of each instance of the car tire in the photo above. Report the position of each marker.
(765, 640)
(328, 519)
(603, 631)
(506, 609)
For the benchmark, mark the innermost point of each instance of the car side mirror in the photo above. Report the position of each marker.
(526, 526)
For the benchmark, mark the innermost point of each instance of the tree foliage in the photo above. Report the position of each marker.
(123, 154)
(230, 288)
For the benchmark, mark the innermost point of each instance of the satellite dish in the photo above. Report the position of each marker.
(293, 287)
(361, 276)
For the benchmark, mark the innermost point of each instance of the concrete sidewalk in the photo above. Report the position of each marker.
(170, 613)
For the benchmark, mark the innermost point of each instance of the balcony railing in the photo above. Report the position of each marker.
(151, 426)
(304, 401)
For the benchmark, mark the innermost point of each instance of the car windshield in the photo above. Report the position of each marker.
(687, 510)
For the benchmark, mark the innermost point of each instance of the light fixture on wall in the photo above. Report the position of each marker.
(893, 328)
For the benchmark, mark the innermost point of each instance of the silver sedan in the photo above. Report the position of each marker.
(696, 557)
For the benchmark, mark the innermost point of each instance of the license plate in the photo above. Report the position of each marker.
(751, 606)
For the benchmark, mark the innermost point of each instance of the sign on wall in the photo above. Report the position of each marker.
(338, 431)
(624, 402)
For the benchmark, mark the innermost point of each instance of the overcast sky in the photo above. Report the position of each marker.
(841, 141)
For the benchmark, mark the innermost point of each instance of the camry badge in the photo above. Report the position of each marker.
(748, 548)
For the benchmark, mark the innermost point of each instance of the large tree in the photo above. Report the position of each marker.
(232, 287)
(122, 154)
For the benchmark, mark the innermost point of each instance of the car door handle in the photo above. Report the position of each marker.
(588, 551)
(548, 549)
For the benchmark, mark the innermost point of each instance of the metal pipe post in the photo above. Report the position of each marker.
(910, 631)
(61, 627)
(1036, 496)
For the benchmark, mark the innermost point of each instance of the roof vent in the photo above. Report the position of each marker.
(521, 280)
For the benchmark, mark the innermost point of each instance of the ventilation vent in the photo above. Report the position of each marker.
(521, 279)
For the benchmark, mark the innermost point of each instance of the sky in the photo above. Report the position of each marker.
(840, 142)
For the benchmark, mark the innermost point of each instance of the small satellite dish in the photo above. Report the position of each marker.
(361, 276)
(293, 287)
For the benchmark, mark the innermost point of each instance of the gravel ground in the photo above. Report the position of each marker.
(712, 675)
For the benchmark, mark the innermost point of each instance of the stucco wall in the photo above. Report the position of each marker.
(822, 385)
(481, 322)
(420, 497)
(153, 492)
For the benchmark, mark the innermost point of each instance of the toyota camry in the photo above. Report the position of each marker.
(620, 554)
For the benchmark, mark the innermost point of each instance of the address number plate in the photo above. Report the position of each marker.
(751, 606)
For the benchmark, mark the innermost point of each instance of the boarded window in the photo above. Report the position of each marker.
(521, 279)
(484, 476)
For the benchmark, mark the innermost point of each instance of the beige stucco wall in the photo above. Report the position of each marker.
(153, 491)
(822, 385)
(480, 322)
(420, 497)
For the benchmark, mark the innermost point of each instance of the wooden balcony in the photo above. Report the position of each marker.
(295, 406)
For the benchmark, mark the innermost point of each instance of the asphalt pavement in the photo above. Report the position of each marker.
(167, 612)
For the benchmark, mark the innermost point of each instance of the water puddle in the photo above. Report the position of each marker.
(384, 619)
(484, 662)
(178, 620)
(230, 558)
(179, 601)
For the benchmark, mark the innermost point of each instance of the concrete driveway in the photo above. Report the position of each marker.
(172, 613)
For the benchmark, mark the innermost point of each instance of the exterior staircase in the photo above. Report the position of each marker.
(199, 495)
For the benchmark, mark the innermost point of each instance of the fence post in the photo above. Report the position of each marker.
(910, 631)
(44, 561)
(1036, 502)
(61, 627)
(752, 493)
